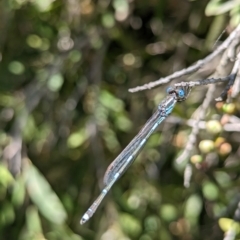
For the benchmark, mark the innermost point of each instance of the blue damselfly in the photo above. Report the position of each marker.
(127, 156)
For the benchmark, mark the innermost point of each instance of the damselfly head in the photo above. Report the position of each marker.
(183, 92)
(180, 93)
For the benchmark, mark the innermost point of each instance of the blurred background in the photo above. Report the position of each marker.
(66, 113)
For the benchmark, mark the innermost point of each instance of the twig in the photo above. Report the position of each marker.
(232, 51)
(232, 126)
(192, 138)
(234, 35)
(234, 72)
(236, 85)
(230, 234)
(217, 40)
(204, 81)
(187, 175)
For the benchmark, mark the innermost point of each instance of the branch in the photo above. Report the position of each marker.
(234, 73)
(192, 137)
(235, 35)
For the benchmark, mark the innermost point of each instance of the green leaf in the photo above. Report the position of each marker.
(193, 207)
(33, 221)
(216, 7)
(168, 212)
(34, 41)
(108, 20)
(16, 67)
(76, 139)
(18, 193)
(111, 102)
(130, 225)
(43, 196)
(226, 224)
(7, 214)
(6, 177)
(43, 5)
(210, 191)
(55, 82)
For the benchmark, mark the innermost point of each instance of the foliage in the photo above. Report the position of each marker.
(66, 113)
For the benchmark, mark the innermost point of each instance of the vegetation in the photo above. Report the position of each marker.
(66, 113)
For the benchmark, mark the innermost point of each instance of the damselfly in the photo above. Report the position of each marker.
(127, 156)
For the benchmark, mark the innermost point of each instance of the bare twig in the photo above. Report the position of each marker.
(234, 35)
(204, 81)
(236, 85)
(230, 234)
(233, 50)
(232, 126)
(187, 175)
(220, 69)
(234, 72)
(192, 138)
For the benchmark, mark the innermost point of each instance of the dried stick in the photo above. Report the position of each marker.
(235, 35)
(192, 138)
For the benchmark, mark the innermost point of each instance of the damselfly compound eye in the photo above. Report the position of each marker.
(181, 93)
(169, 90)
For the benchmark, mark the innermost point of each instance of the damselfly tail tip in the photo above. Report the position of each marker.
(84, 219)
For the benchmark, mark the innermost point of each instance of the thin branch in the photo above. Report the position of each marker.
(232, 126)
(234, 35)
(230, 234)
(236, 86)
(204, 81)
(233, 50)
(234, 72)
(220, 69)
(192, 137)
(187, 175)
